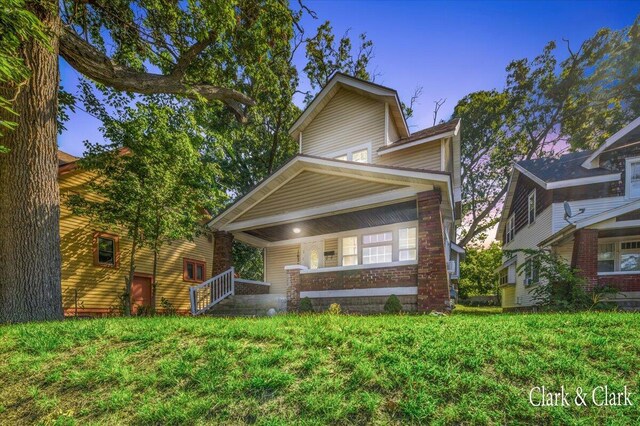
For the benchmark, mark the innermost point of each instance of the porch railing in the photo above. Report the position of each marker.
(204, 296)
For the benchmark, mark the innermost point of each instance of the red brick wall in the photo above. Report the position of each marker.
(395, 276)
(585, 255)
(249, 288)
(222, 252)
(629, 282)
(293, 290)
(433, 278)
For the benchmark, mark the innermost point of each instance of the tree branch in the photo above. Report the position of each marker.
(191, 54)
(94, 64)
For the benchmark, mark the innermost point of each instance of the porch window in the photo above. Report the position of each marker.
(193, 270)
(633, 177)
(349, 251)
(630, 256)
(407, 244)
(532, 207)
(606, 257)
(511, 229)
(105, 250)
(377, 248)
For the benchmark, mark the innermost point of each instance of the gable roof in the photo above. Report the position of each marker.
(629, 133)
(340, 80)
(425, 135)
(65, 158)
(566, 168)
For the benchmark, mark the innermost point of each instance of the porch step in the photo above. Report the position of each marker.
(248, 306)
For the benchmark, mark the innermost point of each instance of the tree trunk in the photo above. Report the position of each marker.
(30, 288)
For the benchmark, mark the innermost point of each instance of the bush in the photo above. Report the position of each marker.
(305, 306)
(334, 309)
(393, 305)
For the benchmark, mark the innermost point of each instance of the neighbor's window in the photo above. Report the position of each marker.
(504, 276)
(105, 250)
(377, 248)
(511, 229)
(532, 207)
(606, 257)
(531, 273)
(349, 251)
(630, 256)
(633, 178)
(361, 156)
(193, 270)
(407, 244)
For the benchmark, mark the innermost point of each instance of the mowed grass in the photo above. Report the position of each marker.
(318, 369)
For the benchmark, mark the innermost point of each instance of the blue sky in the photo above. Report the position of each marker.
(449, 48)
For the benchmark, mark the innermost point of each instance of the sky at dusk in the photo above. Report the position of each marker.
(449, 48)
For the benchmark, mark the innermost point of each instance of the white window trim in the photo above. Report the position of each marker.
(617, 241)
(395, 231)
(535, 213)
(349, 152)
(627, 177)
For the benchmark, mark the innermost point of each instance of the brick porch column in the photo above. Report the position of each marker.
(222, 252)
(585, 255)
(293, 286)
(433, 278)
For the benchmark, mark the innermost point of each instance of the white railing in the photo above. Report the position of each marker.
(204, 296)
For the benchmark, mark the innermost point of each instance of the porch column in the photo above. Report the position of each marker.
(585, 256)
(293, 286)
(222, 252)
(433, 278)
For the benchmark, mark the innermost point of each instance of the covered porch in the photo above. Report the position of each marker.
(349, 233)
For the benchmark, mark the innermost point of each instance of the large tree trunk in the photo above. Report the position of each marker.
(29, 198)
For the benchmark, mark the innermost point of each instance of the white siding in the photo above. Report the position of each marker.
(528, 238)
(426, 156)
(592, 207)
(277, 259)
(348, 120)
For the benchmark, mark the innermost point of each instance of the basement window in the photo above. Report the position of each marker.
(193, 270)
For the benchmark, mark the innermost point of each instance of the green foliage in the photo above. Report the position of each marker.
(478, 274)
(248, 261)
(545, 103)
(305, 306)
(317, 369)
(560, 286)
(393, 305)
(17, 25)
(334, 309)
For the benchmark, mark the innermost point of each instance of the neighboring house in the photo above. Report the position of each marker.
(95, 261)
(365, 210)
(601, 190)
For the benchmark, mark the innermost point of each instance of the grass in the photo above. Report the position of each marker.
(317, 369)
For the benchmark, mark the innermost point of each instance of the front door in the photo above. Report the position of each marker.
(140, 292)
(313, 254)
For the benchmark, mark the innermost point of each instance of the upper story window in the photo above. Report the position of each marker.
(511, 229)
(360, 154)
(633, 177)
(531, 209)
(105, 250)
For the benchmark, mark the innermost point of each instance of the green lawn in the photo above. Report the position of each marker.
(470, 369)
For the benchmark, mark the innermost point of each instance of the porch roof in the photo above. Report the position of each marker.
(310, 187)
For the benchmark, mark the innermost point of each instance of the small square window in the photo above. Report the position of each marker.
(105, 250)
(194, 270)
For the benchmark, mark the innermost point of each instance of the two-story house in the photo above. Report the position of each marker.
(367, 208)
(584, 206)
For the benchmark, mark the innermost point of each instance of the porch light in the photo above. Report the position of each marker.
(296, 230)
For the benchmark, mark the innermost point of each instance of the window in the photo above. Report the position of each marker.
(407, 244)
(606, 257)
(349, 251)
(504, 276)
(193, 270)
(511, 229)
(633, 177)
(375, 249)
(532, 207)
(361, 156)
(630, 256)
(105, 250)
(531, 273)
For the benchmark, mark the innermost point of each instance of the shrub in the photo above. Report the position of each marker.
(167, 307)
(334, 309)
(305, 306)
(393, 305)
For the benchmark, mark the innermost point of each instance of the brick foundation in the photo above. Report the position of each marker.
(246, 289)
(293, 288)
(222, 252)
(585, 256)
(433, 278)
(362, 305)
(622, 283)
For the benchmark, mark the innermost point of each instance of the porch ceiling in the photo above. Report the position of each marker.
(376, 216)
